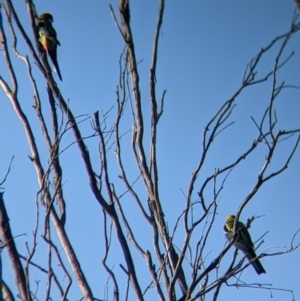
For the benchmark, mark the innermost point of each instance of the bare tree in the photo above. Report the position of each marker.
(173, 272)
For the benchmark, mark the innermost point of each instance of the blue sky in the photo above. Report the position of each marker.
(203, 51)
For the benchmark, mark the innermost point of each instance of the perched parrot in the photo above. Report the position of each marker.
(48, 39)
(243, 242)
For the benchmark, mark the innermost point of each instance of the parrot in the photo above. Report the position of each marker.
(243, 242)
(48, 39)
